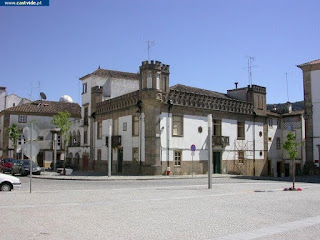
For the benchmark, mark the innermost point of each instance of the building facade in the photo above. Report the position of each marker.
(40, 113)
(311, 85)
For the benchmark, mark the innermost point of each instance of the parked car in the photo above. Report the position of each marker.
(59, 164)
(22, 167)
(6, 164)
(7, 182)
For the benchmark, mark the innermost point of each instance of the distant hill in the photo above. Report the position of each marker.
(281, 107)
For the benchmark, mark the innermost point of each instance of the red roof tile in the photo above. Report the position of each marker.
(310, 63)
(48, 108)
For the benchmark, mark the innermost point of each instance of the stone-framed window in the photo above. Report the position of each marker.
(99, 154)
(260, 102)
(99, 130)
(84, 88)
(135, 154)
(135, 126)
(279, 123)
(270, 122)
(241, 156)
(20, 140)
(149, 80)
(22, 119)
(85, 137)
(241, 130)
(278, 143)
(177, 157)
(217, 128)
(115, 127)
(177, 126)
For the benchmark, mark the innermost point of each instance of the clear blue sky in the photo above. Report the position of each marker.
(206, 43)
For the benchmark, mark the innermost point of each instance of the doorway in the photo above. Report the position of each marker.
(216, 162)
(120, 159)
(85, 162)
(278, 169)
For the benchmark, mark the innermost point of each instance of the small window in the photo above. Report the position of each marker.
(241, 134)
(158, 81)
(241, 156)
(270, 122)
(260, 134)
(99, 134)
(99, 154)
(260, 102)
(177, 126)
(84, 88)
(149, 80)
(13, 105)
(135, 126)
(278, 143)
(124, 126)
(20, 140)
(177, 158)
(217, 128)
(200, 129)
(260, 153)
(85, 137)
(22, 118)
(279, 123)
(40, 138)
(86, 114)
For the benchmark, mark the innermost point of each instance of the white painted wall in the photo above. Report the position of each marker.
(192, 136)
(315, 98)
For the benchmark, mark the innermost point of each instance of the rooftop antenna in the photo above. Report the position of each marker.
(250, 60)
(150, 44)
(287, 86)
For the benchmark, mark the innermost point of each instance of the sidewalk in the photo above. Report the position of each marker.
(92, 176)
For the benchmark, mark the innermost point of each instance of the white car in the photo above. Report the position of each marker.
(7, 182)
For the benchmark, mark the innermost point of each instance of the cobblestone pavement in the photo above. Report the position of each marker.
(235, 208)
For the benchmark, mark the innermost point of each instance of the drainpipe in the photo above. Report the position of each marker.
(254, 143)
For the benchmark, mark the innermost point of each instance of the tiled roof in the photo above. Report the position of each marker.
(184, 88)
(47, 108)
(111, 73)
(310, 63)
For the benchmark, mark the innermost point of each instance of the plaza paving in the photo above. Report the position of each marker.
(167, 208)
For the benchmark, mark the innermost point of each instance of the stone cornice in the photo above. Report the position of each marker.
(190, 99)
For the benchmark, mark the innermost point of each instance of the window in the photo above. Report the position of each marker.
(177, 158)
(135, 155)
(99, 154)
(99, 130)
(241, 156)
(85, 137)
(124, 126)
(177, 126)
(241, 134)
(84, 88)
(13, 105)
(149, 80)
(22, 119)
(40, 138)
(278, 143)
(85, 118)
(279, 123)
(158, 81)
(217, 128)
(164, 84)
(135, 125)
(115, 127)
(270, 122)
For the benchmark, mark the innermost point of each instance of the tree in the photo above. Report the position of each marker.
(14, 134)
(292, 152)
(61, 120)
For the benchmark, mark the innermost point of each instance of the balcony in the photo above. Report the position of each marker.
(116, 141)
(220, 141)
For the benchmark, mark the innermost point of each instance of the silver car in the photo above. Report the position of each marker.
(22, 167)
(7, 182)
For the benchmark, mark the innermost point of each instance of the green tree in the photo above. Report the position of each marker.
(61, 120)
(14, 134)
(292, 152)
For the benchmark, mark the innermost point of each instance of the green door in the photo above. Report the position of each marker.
(217, 162)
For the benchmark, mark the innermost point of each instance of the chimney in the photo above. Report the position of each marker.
(236, 83)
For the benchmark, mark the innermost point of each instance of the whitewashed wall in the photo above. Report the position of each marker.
(315, 97)
(192, 136)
